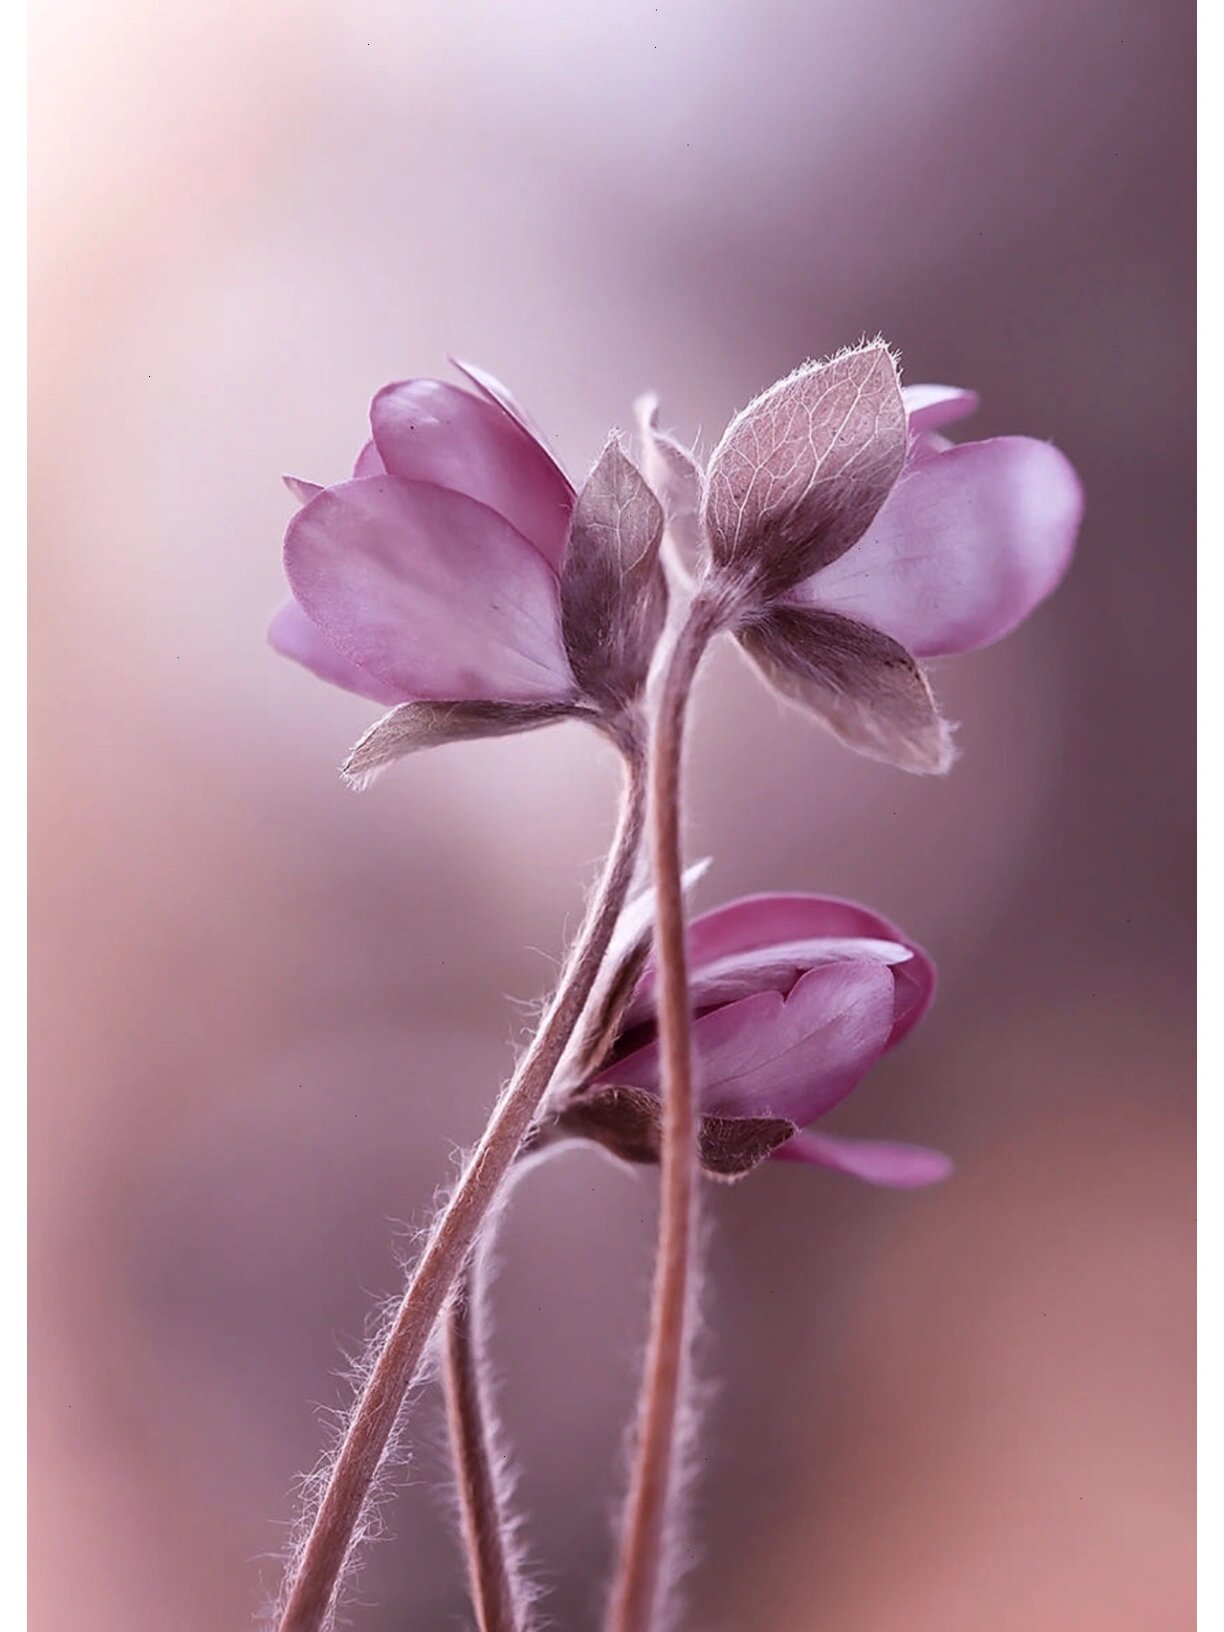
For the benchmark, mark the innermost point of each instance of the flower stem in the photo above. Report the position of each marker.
(641, 1572)
(496, 1594)
(320, 1563)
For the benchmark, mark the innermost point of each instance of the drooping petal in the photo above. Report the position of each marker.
(859, 682)
(435, 594)
(414, 726)
(293, 635)
(899, 1167)
(429, 431)
(931, 407)
(794, 1057)
(758, 921)
(968, 543)
(801, 471)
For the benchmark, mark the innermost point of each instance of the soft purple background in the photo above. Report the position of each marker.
(267, 1011)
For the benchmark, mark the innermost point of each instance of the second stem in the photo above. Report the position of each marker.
(642, 1571)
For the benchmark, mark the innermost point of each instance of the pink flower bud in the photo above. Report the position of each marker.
(794, 998)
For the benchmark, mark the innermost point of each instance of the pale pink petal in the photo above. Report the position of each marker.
(900, 1167)
(759, 921)
(491, 388)
(931, 407)
(369, 461)
(793, 1057)
(293, 635)
(964, 548)
(428, 431)
(303, 491)
(434, 593)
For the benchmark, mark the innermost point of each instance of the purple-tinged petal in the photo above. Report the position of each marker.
(900, 1167)
(369, 462)
(773, 968)
(964, 548)
(794, 1057)
(931, 407)
(761, 921)
(859, 682)
(302, 491)
(492, 389)
(437, 595)
(428, 431)
(293, 635)
(777, 968)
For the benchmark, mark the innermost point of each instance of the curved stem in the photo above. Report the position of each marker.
(319, 1565)
(640, 1575)
(491, 1566)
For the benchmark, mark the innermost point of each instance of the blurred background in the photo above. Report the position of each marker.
(268, 1012)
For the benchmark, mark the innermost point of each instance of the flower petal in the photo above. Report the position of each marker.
(492, 389)
(931, 407)
(302, 490)
(369, 461)
(967, 544)
(863, 685)
(794, 1057)
(434, 593)
(428, 431)
(293, 635)
(758, 921)
(900, 1167)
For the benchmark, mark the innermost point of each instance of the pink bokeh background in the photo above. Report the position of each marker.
(267, 1012)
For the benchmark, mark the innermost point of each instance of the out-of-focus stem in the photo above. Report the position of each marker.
(496, 1595)
(641, 1580)
(318, 1568)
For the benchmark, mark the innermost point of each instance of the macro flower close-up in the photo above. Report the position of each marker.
(611, 955)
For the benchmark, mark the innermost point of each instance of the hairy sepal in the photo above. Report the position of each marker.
(801, 472)
(411, 727)
(613, 588)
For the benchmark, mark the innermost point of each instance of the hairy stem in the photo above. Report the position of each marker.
(320, 1563)
(497, 1596)
(641, 1574)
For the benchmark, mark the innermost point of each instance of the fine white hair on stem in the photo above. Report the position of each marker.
(504, 1589)
(338, 1515)
(353, 1377)
(679, 1552)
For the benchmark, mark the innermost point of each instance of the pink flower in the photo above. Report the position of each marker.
(794, 998)
(853, 539)
(436, 578)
